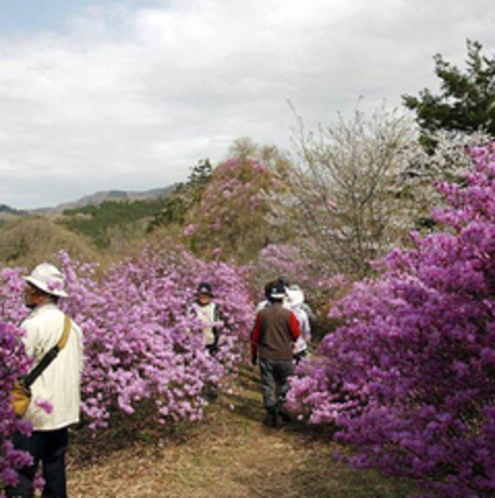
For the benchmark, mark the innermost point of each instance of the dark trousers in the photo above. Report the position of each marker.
(274, 382)
(49, 448)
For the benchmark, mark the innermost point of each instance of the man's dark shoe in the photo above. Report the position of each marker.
(285, 416)
(271, 419)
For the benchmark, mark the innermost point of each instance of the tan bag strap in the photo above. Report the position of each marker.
(65, 334)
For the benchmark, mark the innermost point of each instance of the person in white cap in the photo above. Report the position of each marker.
(295, 302)
(58, 385)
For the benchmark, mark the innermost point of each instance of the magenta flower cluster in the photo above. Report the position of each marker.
(13, 364)
(409, 380)
(142, 345)
(293, 263)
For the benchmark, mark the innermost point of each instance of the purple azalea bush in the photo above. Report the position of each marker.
(141, 343)
(230, 219)
(409, 380)
(13, 364)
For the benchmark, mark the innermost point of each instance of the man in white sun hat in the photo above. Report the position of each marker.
(56, 391)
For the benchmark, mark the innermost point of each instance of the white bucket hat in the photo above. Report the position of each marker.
(295, 294)
(47, 278)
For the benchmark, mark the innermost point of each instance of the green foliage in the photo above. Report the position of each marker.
(99, 222)
(466, 101)
(199, 177)
(184, 197)
(7, 209)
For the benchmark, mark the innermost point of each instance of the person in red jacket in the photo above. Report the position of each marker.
(275, 330)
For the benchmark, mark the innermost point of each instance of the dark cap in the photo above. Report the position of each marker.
(205, 288)
(278, 292)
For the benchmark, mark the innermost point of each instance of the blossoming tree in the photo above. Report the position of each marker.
(231, 214)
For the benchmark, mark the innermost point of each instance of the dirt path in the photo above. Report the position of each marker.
(230, 455)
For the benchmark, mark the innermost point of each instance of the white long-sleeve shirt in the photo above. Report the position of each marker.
(208, 314)
(59, 384)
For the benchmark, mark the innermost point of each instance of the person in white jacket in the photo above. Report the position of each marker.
(295, 302)
(207, 311)
(55, 402)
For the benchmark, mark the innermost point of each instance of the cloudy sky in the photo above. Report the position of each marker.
(127, 94)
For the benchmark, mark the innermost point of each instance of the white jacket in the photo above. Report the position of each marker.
(208, 314)
(59, 384)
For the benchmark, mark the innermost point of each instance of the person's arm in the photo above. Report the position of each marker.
(305, 326)
(255, 339)
(216, 332)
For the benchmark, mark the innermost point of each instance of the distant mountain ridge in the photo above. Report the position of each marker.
(107, 195)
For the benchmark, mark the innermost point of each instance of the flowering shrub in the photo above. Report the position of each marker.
(286, 259)
(312, 275)
(13, 364)
(140, 344)
(409, 380)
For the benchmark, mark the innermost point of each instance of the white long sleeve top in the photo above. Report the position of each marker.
(208, 315)
(59, 384)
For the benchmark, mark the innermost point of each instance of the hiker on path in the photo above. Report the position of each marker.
(275, 331)
(58, 385)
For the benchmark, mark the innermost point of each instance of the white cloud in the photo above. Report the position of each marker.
(132, 98)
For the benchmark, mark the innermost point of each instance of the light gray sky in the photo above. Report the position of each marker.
(101, 94)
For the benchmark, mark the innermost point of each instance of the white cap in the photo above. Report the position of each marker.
(47, 278)
(295, 294)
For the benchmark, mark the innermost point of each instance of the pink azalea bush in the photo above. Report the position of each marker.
(231, 214)
(13, 364)
(288, 260)
(141, 345)
(140, 342)
(293, 263)
(409, 380)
